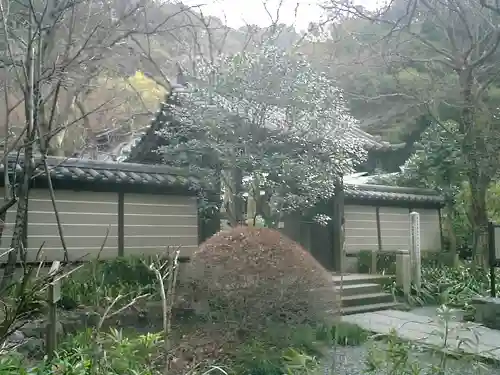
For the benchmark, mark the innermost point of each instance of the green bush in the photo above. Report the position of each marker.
(258, 357)
(460, 220)
(385, 263)
(111, 353)
(105, 354)
(299, 363)
(438, 259)
(453, 286)
(394, 356)
(347, 334)
(297, 354)
(12, 364)
(94, 282)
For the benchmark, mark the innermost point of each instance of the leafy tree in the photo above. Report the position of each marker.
(438, 161)
(133, 99)
(438, 164)
(451, 71)
(53, 52)
(377, 93)
(269, 119)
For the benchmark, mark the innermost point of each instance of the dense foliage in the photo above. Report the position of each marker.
(438, 164)
(271, 117)
(452, 286)
(428, 63)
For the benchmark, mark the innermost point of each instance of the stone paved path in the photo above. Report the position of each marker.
(470, 337)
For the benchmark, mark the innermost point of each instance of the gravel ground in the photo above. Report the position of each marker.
(352, 361)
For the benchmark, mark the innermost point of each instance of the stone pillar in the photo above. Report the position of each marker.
(403, 271)
(415, 253)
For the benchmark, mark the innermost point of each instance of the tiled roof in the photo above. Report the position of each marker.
(141, 149)
(372, 142)
(391, 193)
(109, 172)
(156, 175)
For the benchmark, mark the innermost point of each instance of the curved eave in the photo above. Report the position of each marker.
(391, 194)
(143, 149)
(384, 147)
(110, 173)
(373, 143)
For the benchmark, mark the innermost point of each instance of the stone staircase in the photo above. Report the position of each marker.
(364, 293)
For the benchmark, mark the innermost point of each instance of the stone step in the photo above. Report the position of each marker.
(356, 289)
(367, 299)
(351, 279)
(370, 308)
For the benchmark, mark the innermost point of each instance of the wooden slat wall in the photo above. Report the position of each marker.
(85, 217)
(360, 228)
(394, 228)
(430, 230)
(153, 222)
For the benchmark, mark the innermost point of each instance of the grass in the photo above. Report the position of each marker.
(394, 356)
(348, 334)
(93, 284)
(445, 285)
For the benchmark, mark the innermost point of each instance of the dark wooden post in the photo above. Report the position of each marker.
(379, 229)
(379, 241)
(441, 229)
(209, 221)
(337, 223)
(238, 205)
(54, 295)
(492, 257)
(121, 224)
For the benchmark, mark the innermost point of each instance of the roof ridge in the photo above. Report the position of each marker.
(86, 170)
(53, 161)
(392, 193)
(391, 188)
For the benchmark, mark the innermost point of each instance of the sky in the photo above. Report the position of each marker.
(237, 13)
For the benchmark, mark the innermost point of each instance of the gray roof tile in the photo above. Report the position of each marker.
(391, 193)
(110, 172)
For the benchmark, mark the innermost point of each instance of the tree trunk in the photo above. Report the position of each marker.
(6, 198)
(239, 206)
(19, 236)
(55, 151)
(449, 230)
(264, 210)
(474, 153)
(18, 241)
(479, 221)
(234, 206)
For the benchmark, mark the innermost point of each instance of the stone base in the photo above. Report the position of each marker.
(403, 272)
(487, 311)
(350, 264)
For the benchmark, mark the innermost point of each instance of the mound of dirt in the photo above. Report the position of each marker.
(257, 277)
